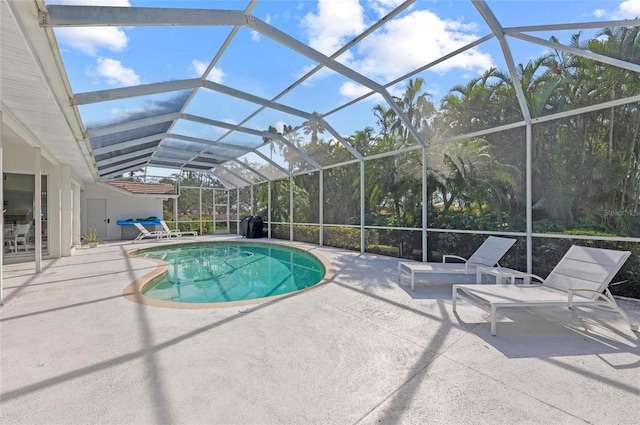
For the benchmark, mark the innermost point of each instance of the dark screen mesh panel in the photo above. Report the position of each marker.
(208, 160)
(118, 153)
(123, 136)
(126, 162)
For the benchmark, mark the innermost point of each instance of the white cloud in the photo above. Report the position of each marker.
(383, 7)
(352, 90)
(199, 67)
(400, 46)
(629, 9)
(335, 23)
(91, 40)
(216, 74)
(599, 13)
(416, 40)
(115, 73)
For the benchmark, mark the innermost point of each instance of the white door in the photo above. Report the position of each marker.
(97, 216)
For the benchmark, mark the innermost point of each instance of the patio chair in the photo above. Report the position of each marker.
(21, 236)
(9, 242)
(488, 254)
(176, 233)
(581, 277)
(144, 233)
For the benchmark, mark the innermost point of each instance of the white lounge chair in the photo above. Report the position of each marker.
(581, 277)
(488, 254)
(144, 233)
(176, 233)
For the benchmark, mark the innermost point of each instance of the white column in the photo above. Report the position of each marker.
(37, 210)
(175, 213)
(425, 235)
(252, 200)
(529, 196)
(269, 209)
(321, 207)
(291, 208)
(66, 210)
(215, 210)
(200, 207)
(1, 215)
(228, 212)
(238, 211)
(76, 222)
(362, 211)
(54, 210)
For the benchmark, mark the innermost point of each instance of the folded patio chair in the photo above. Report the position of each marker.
(488, 254)
(176, 233)
(581, 277)
(144, 233)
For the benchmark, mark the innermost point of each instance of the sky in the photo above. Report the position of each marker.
(99, 58)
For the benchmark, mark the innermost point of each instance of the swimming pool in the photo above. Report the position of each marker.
(222, 272)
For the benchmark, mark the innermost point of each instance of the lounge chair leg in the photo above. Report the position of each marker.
(454, 298)
(493, 320)
(608, 297)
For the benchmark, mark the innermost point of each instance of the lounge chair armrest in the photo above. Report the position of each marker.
(456, 257)
(529, 277)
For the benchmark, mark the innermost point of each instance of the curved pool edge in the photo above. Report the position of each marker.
(133, 291)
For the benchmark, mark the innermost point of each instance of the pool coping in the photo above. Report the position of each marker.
(133, 291)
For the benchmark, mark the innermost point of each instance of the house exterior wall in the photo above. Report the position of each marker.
(119, 207)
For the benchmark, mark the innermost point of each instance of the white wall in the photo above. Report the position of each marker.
(119, 207)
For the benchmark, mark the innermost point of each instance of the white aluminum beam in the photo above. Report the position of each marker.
(293, 44)
(232, 173)
(255, 99)
(496, 28)
(253, 170)
(579, 52)
(575, 26)
(228, 126)
(339, 138)
(100, 16)
(272, 163)
(134, 91)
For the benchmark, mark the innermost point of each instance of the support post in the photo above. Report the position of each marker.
(269, 209)
(37, 210)
(291, 208)
(238, 211)
(200, 207)
(425, 235)
(1, 215)
(362, 211)
(529, 197)
(66, 202)
(321, 208)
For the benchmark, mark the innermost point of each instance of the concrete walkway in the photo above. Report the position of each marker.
(362, 349)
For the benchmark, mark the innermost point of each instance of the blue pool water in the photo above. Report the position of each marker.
(222, 272)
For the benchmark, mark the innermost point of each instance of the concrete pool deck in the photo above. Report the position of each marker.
(361, 349)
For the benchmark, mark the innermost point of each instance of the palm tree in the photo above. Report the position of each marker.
(314, 127)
